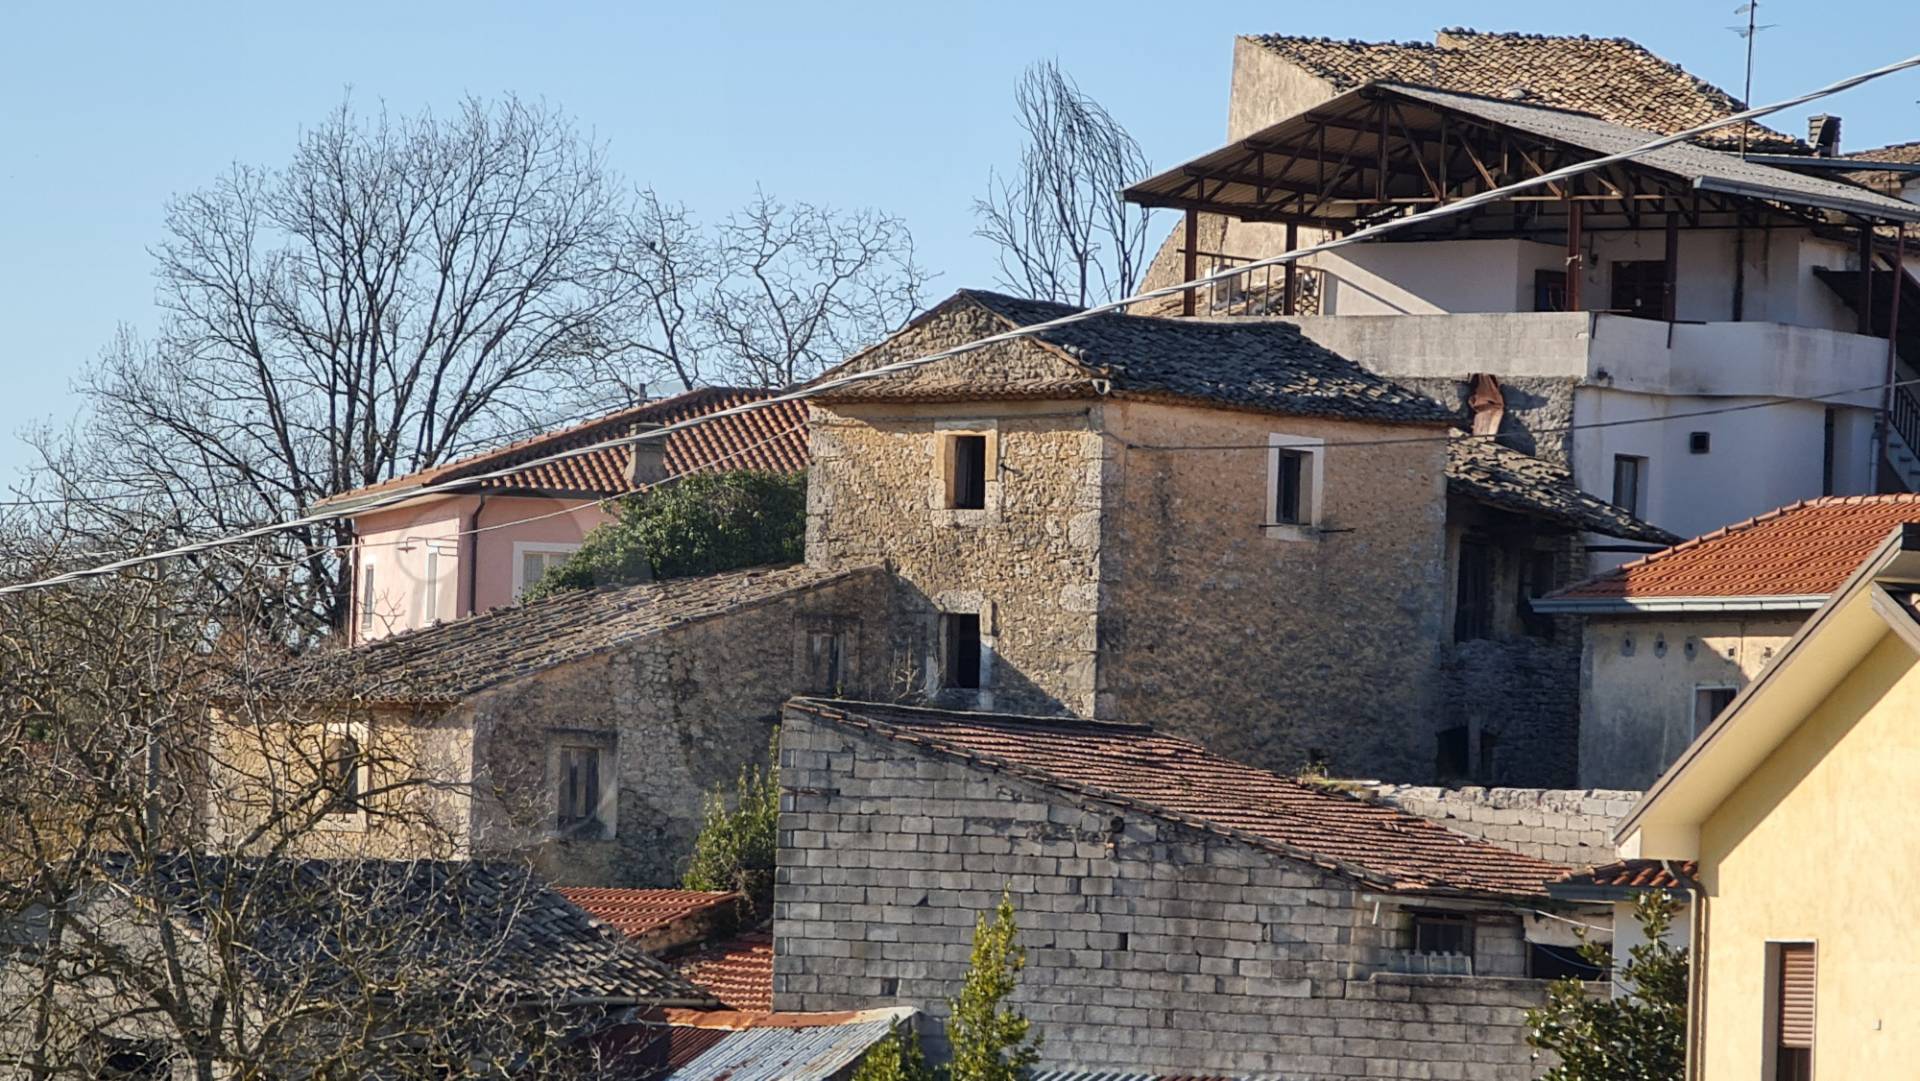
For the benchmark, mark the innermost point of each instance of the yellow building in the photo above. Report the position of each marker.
(1797, 805)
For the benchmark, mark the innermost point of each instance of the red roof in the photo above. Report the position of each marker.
(637, 912)
(738, 972)
(1129, 765)
(773, 438)
(1804, 550)
(1632, 875)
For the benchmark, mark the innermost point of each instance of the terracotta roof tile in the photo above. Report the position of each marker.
(1804, 550)
(1631, 875)
(1612, 78)
(1173, 779)
(738, 972)
(774, 438)
(635, 913)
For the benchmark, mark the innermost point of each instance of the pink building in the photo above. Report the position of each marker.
(463, 550)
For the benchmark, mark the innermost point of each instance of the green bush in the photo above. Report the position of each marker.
(703, 524)
(897, 1057)
(1636, 1036)
(990, 1039)
(739, 838)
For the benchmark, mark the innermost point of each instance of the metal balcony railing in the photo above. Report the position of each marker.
(1264, 290)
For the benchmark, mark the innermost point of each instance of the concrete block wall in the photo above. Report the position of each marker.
(1151, 945)
(1573, 826)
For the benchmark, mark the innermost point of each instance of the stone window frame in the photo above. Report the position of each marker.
(962, 603)
(355, 820)
(606, 746)
(940, 484)
(1313, 482)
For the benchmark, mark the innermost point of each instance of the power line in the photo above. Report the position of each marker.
(815, 389)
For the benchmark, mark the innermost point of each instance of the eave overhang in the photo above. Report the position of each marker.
(1640, 606)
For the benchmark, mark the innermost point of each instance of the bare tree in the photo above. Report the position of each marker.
(1062, 229)
(802, 286)
(165, 888)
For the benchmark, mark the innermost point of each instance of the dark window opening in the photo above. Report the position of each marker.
(1546, 962)
(1473, 591)
(969, 472)
(1629, 483)
(141, 1059)
(1640, 288)
(1549, 290)
(1708, 703)
(1289, 491)
(579, 787)
(1826, 452)
(1437, 932)
(826, 661)
(1450, 757)
(1539, 576)
(1699, 442)
(960, 633)
(1489, 756)
(342, 774)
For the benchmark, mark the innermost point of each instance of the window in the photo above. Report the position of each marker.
(343, 772)
(143, 1059)
(1293, 484)
(1550, 962)
(1473, 591)
(1489, 756)
(1538, 577)
(1629, 483)
(967, 486)
(960, 642)
(1792, 969)
(1699, 442)
(430, 588)
(1640, 288)
(1443, 932)
(1826, 452)
(827, 660)
(1450, 754)
(1708, 703)
(532, 560)
(366, 595)
(579, 789)
(1549, 290)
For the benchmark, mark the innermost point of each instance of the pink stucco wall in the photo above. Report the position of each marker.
(451, 535)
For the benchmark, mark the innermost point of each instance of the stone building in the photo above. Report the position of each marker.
(581, 731)
(1181, 913)
(1671, 639)
(1100, 519)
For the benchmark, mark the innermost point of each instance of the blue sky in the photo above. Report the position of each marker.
(106, 110)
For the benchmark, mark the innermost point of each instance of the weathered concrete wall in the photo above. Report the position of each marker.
(1150, 946)
(681, 713)
(1570, 826)
(1273, 646)
(1267, 89)
(1639, 677)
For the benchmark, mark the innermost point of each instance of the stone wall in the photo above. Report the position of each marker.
(1570, 826)
(1273, 646)
(1151, 946)
(680, 712)
(1539, 409)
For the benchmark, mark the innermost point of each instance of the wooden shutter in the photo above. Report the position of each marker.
(1796, 995)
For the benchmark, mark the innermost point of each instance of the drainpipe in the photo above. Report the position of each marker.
(1696, 969)
(473, 556)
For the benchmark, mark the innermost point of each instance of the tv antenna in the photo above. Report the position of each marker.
(1751, 30)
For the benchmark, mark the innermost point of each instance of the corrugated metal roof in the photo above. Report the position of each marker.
(1078, 1075)
(814, 1053)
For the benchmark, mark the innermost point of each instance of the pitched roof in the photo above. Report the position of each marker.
(1259, 365)
(1625, 877)
(1901, 153)
(1486, 472)
(637, 913)
(1796, 555)
(494, 926)
(773, 438)
(450, 661)
(1128, 765)
(737, 971)
(777, 1047)
(1611, 78)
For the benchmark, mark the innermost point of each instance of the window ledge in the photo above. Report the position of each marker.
(1287, 531)
(343, 822)
(948, 516)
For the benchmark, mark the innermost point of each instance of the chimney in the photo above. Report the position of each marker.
(647, 460)
(1823, 132)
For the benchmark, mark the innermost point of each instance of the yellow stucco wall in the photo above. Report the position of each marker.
(1819, 844)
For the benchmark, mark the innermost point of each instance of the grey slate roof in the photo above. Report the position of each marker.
(1486, 472)
(494, 929)
(451, 661)
(1711, 170)
(1267, 367)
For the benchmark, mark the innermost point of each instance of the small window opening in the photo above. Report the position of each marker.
(969, 488)
(1792, 982)
(1489, 756)
(1827, 452)
(1629, 483)
(1473, 591)
(1549, 962)
(1549, 290)
(341, 777)
(366, 596)
(579, 787)
(826, 660)
(1709, 703)
(1289, 487)
(1640, 288)
(1699, 442)
(960, 632)
(1450, 758)
(1443, 932)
